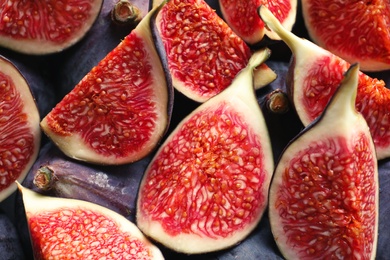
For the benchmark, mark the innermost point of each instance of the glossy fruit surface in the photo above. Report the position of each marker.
(365, 40)
(120, 110)
(324, 192)
(241, 16)
(203, 53)
(45, 27)
(206, 188)
(19, 127)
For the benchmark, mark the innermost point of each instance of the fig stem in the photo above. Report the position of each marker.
(43, 178)
(125, 13)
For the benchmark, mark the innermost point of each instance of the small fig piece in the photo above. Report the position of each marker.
(74, 229)
(19, 127)
(207, 186)
(203, 54)
(120, 110)
(323, 200)
(314, 76)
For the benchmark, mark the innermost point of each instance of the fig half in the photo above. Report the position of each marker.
(207, 186)
(75, 229)
(314, 75)
(121, 109)
(323, 200)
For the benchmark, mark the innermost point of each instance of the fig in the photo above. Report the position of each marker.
(323, 197)
(120, 110)
(206, 187)
(314, 75)
(43, 28)
(241, 16)
(19, 127)
(203, 53)
(63, 228)
(335, 27)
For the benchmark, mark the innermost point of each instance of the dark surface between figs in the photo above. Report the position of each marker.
(260, 244)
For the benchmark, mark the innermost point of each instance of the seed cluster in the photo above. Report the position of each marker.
(113, 105)
(209, 179)
(203, 51)
(16, 142)
(59, 19)
(83, 234)
(324, 78)
(327, 198)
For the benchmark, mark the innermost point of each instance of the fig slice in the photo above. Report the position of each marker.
(63, 228)
(19, 127)
(203, 53)
(353, 30)
(121, 109)
(241, 16)
(323, 199)
(206, 188)
(45, 27)
(314, 75)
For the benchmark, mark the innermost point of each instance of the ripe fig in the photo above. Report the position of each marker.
(314, 76)
(241, 16)
(323, 198)
(335, 27)
(74, 229)
(120, 110)
(19, 127)
(42, 28)
(203, 53)
(206, 188)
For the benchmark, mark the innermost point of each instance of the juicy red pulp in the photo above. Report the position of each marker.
(82, 234)
(209, 179)
(17, 142)
(60, 19)
(112, 105)
(200, 48)
(327, 200)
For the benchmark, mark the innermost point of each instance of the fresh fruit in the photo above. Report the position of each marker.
(19, 127)
(120, 110)
(203, 53)
(353, 30)
(241, 16)
(314, 76)
(75, 229)
(323, 199)
(206, 188)
(42, 28)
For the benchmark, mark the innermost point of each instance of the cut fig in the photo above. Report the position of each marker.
(74, 229)
(120, 110)
(241, 16)
(203, 53)
(19, 127)
(45, 27)
(323, 200)
(353, 30)
(314, 76)
(207, 186)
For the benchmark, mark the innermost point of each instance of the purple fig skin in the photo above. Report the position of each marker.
(10, 245)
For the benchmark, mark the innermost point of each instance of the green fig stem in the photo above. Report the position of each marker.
(43, 178)
(125, 13)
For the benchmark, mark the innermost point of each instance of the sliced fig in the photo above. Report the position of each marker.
(241, 16)
(120, 110)
(353, 30)
(42, 28)
(203, 53)
(323, 199)
(206, 188)
(314, 76)
(74, 229)
(19, 127)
